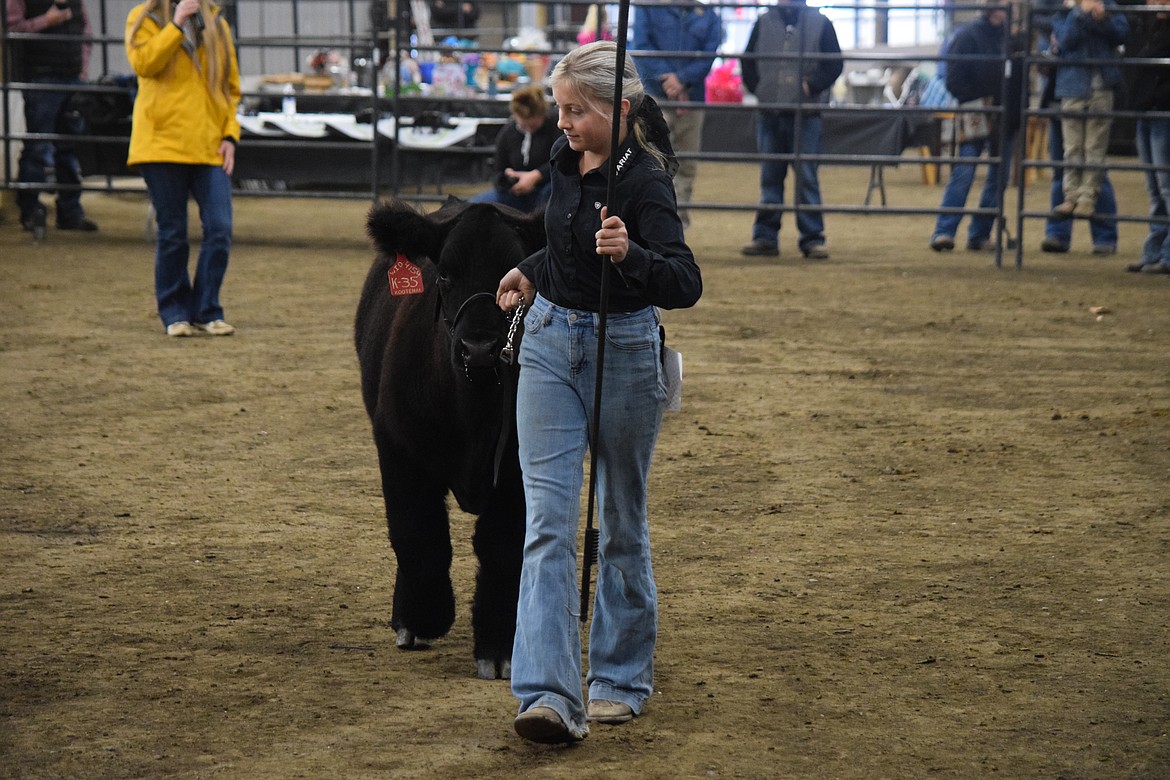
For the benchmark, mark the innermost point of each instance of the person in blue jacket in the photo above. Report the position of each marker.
(679, 78)
(1058, 232)
(975, 78)
(1087, 39)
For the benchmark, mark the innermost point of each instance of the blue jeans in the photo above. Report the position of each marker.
(1153, 146)
(530, 202)
(44, 112)
(776, 134)
(1103, 231)
(181, 299)
(555, 409)
(959, 185)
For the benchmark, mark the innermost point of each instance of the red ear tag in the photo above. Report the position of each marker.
(405, 277)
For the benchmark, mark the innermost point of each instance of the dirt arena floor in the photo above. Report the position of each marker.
(913, 520)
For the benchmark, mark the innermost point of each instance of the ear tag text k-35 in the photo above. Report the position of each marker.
(405, 277)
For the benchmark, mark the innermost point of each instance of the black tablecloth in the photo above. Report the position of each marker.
(880, 132)
(347, 162)
(727, 127)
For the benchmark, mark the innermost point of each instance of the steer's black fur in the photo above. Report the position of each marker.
(436, 398)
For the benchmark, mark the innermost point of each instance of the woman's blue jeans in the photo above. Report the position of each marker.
(181, 298)
(554, 410)
(776, 134)
(1153, 147)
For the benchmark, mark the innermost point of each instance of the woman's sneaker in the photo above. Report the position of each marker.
(215, 328)
(180, 329)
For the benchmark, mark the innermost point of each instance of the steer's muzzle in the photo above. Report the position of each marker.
(479, 352)
(477, 340)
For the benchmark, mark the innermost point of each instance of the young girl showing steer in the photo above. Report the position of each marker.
(641, 236)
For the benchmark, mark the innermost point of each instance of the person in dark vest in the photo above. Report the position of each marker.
(57, 62)
(790, 30)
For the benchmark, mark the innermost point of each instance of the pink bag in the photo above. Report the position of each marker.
(724, 84)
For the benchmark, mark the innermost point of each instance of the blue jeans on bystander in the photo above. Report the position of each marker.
(1153, 147)
(45, 112)
(958, 187)
(776, 133)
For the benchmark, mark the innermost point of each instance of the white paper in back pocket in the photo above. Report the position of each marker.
(672, 365)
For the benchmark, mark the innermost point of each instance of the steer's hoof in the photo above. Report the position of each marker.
(408, 641)
(494, 670)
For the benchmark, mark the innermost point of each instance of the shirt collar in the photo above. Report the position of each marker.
(566, 158)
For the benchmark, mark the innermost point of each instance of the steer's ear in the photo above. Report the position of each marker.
(395, 226)
(532, 232)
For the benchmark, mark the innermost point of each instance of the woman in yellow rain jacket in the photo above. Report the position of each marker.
(183, 142)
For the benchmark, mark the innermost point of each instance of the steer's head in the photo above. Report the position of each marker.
(470, 246)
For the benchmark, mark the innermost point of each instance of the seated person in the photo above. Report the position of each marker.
(522, 152)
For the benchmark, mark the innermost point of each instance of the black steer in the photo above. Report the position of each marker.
(438, 396)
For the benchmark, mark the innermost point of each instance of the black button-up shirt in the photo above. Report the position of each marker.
(659, 268)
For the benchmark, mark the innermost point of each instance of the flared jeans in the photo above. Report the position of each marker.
(554, 411)
(180, 297)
